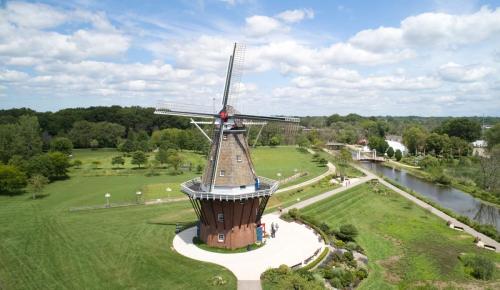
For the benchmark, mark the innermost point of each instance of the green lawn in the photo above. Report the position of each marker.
(407, 246)
(270, 161)
(44, 246)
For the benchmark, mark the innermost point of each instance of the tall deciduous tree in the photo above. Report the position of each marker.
(463, 128)
(61, 144)
(492, 135)
(139, 158)
(12, 180)
(414, 139)
(117, 160)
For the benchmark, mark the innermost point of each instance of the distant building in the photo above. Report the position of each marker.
(335, 145)
(480, 144)
(395, 138)
(362, 141)
(396, 145)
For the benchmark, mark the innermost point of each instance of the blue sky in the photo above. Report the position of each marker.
(429, 58)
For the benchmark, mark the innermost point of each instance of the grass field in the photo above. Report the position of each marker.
(407, 246)
(44, 246)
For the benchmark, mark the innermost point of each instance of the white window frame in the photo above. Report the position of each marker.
(222, 173)
(238, 158)
(220, 217)
(219, 239)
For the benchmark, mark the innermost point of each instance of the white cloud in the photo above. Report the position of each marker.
(36, 16)
(259, 25)
(458, 73)
(297, 15)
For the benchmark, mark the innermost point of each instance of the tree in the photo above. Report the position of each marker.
(12, 180)
(347, 232)
(390, 152)
(61, 144)
(60, 164)
(37, 183)
(118, 160)
(174, 159)
(302, 141)
(139, 158)
(29, 141)
(378, 143)
(414, 139)
(492, 135)
(40, 164)
(162, 155)
(344, 157)
(489, 173)
(398, 155)
(463, 128)
(437, 143)
(459, 147)
(94, 144)
(274, 141)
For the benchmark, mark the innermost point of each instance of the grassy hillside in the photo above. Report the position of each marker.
(407, 246)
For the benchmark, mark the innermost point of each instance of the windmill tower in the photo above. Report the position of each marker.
(229, 198)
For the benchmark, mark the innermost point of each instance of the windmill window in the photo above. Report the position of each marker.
(222, 173)
(238, 158)
(220, 238)
(220, 217)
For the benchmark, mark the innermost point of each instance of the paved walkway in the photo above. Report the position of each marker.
(293, 244)
(484, 238)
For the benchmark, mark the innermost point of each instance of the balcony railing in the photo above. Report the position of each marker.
(194, 190)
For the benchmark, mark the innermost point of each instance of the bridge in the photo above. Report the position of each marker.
(368, 156)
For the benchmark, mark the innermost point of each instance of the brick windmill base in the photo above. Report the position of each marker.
(229, 221)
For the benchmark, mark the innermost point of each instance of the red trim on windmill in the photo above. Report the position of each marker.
(224, 115)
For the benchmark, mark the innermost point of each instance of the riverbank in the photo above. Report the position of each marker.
(471, 190)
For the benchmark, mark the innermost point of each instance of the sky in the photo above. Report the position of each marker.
(425, 58)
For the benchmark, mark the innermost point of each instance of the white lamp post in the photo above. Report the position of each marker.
(138, 196)
(107, 196)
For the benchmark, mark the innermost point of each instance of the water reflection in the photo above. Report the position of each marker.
(451, 198)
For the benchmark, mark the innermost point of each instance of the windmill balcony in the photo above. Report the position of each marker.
(195, 190)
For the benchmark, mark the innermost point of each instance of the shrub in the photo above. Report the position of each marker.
(478, 266)
(325, 227)
(349, 256)
(339, 243)
(347, 232)
(294, 213)
(361, 273)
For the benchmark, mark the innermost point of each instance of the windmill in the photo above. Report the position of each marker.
(229, 198)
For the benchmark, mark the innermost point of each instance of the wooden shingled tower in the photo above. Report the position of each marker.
(229, 198)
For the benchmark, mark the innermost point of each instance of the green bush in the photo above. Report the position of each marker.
(361, 273)
(347, 232)
(478, 266)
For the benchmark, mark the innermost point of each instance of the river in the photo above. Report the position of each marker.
(447, 197)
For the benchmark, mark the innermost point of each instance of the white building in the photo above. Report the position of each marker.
(396, 145)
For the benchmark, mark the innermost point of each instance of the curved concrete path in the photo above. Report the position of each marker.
(369, 175)
(293, 244)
